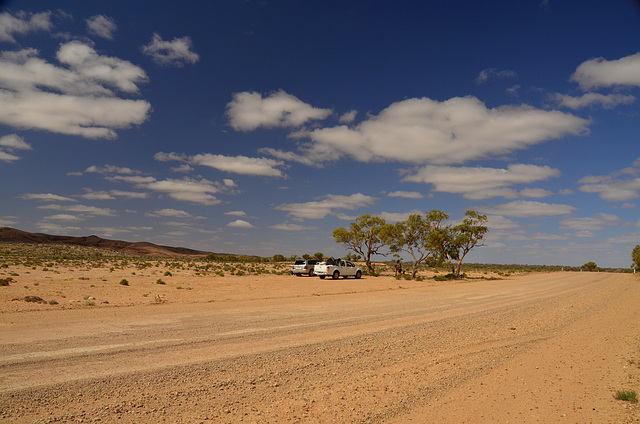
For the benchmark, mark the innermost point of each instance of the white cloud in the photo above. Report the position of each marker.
(23, 23)
(128, 194)
(629, 238)
(600, 72)
(535, 193)
(96, 195)
(168, 212)
(397, 216)
(485, 74)
(89, 210)
(454, 131)
(589, 99)
(14, 142)
(618, 187)
(47, 197)
(289, 156)
(348, 117)
(239, 164)
(584, 234)
(110, 169)
(6, 221)
(239, 223)
(136, 179)
(50, 227)
(10, 143)
(528, 209)
(176, 52)
(406, 194)
(102, 26)
(35, 94)
(236, 213)
(187, 189)
(249, 111)
(87, 63)
(8, 157)
(498, 222)
(291, 227)
(481, 183)
(327, 205)
(590, 224)
(236, 164)
(63, 217)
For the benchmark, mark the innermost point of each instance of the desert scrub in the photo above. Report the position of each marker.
(5, 281)
(168, 274)
(124, 282)
(627, 396)
(159, 281)
(34, 299)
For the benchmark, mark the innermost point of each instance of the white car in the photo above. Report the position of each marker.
(303, 267)
(337, 268)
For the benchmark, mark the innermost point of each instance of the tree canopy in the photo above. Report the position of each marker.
(635, 255)
(453, 242)
(426, 237)
(412, 236)
(366, 236)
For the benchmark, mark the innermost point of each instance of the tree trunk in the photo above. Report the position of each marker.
(457, 272)
(369, 266)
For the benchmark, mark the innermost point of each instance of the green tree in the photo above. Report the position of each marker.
(590, 266)
(453, 243)
(278, 258)
(412, 236)
(352, 257)
(366, 236)
(635, 255)
(319, 256)
(306, 256)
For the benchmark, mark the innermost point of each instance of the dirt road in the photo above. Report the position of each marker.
(535, 348)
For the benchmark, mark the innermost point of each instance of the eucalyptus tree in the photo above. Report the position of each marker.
(366, 236)
(412, 236)
(635, 256)
(453, 243)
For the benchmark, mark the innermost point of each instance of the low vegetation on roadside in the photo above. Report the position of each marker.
(64, 258)
(627, 396)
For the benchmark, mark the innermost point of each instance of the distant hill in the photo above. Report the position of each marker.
(12, 235)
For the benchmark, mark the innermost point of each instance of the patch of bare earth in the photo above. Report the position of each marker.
(533, 348)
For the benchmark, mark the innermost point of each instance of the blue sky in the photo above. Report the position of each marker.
(258, 127)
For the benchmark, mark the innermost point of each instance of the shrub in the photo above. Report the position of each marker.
(159, 281)
(5, 281)
(34, 299)
(168, 274)
(627, 396)
(53, 302)
(124, 282)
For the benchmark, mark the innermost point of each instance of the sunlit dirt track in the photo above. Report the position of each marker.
(363, 351)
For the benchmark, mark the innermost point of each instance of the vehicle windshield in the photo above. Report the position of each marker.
(299, 262)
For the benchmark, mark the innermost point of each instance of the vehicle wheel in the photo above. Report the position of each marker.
(358, 275)
(335, 275)
(298, 275)
(322, 276)
(311, 273)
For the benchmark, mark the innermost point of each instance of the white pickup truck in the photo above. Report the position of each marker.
(337, 268)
